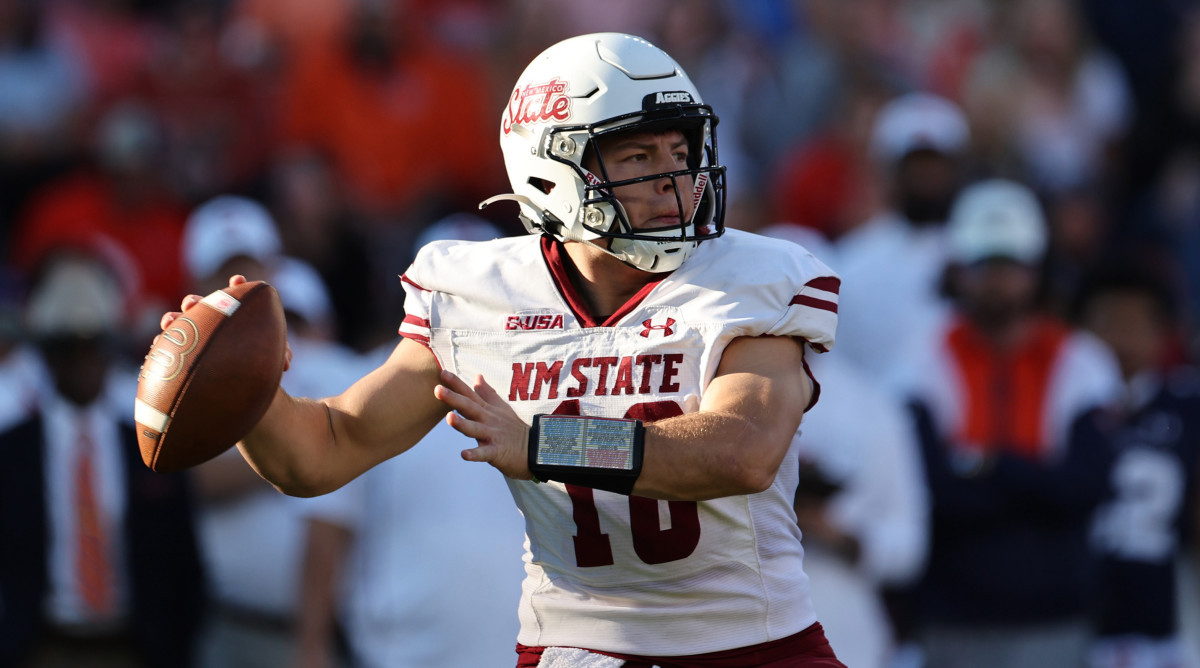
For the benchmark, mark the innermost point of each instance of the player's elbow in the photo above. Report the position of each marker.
(756, 477)
(295, 476)
(305, 483)
(303, 491)
(750, 471)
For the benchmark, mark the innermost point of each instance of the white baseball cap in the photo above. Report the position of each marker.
(225, 227)
(302, 290)
(77, 296)
(916, 121)
(996, 218)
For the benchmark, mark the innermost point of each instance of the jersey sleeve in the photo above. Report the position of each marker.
(418, 298)
(811, 313)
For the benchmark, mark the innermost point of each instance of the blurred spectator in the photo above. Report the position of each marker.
(252, 535)
(320, 365)
(98, 564)
(1081, 235)
(118, 196)
(863, 509)
(862, 504)
(993, 113)
(891, 265)
(1073, 103)
(409, 555)
(996, 393)
(229, 235)
(22, 374)
(283, 30)
(827, 182)
(1153, 435)
(115, 40)
(804, 83)
(1163, 172)
(408, 127)
(41, 90)
(322, 230)
(213, 112)
(404, 605)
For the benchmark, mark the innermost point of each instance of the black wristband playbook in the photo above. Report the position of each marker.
(596, 452)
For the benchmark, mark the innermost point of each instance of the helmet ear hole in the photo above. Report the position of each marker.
(541, 184)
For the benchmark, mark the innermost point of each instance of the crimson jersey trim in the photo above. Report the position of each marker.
(554, 255)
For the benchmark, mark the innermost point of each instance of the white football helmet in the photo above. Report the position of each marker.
(586, 87)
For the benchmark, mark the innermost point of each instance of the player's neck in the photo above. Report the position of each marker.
(604, 282)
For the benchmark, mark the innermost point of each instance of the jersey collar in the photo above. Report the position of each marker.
(556, 262)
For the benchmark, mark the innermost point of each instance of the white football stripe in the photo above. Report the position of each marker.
(222, 301)
(144, 413)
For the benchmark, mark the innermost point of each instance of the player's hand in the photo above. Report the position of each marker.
(191, 300)
(482, 414)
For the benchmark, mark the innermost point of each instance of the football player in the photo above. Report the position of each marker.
(633, 367)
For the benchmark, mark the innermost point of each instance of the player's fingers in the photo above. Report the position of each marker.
(482, 453)
(167, 319)
(458, 386)
(189, 301)
(469, 407)
(467, 427)
(236, 279)
(487, 393)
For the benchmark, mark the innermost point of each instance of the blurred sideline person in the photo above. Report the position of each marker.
(862, 507)
(253, 536)
(1153, 435)
(862, 502)
(662, 351)
(407, 556)
(403, 597)
(996, 394)
(892, 263)
(99, 564)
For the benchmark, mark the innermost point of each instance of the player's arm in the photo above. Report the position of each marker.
(307, 447)
(733, 445)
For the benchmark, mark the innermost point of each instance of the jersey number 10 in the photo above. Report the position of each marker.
(652, 544)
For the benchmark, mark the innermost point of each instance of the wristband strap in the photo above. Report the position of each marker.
(596, 452)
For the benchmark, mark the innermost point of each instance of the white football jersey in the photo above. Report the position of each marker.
(606, 571)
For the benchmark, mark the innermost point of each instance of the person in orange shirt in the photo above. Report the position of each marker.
(403, 122)
(997, 394)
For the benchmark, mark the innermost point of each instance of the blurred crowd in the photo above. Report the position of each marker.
(151, 148)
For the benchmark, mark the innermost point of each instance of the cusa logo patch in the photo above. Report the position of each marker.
(537, 103)
(527, 322)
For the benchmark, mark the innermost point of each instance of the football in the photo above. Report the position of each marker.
(210, 376)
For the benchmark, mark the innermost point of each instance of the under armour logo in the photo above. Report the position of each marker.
(665, 329)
